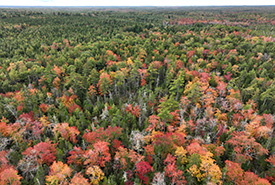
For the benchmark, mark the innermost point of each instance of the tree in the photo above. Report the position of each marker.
(166, 106)
(172, 172)
(59, 172)
(99, 155)
(66, 131)
(104, 84)
(43, 152)
(246, 148)
(177, 87)
(95, 174)
(78, 179)
(142, 168)
(9, 176)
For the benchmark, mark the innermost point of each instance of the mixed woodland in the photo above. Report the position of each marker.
(179, 95)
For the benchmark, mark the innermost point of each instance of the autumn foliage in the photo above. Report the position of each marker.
(110, 96)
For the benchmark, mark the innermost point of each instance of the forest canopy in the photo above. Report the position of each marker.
(179, 95)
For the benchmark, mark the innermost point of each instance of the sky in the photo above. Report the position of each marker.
(133, 2)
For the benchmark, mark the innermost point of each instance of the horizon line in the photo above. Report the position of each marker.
(131, 5)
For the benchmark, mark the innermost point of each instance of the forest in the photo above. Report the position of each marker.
(137, 95)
